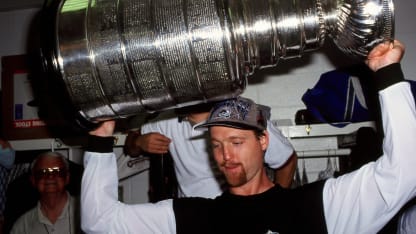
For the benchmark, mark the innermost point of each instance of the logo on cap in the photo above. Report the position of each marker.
(239, 112)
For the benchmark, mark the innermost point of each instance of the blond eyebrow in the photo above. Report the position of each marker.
(231, 138)
(237, 137)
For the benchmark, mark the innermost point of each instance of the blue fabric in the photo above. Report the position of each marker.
(7, 157)
(334, 100)
(413, 88)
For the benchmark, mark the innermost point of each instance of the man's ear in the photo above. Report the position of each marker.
(264, 140)
(32, 180)
(67, 178)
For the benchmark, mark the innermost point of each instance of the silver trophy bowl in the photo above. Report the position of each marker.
(121, 58)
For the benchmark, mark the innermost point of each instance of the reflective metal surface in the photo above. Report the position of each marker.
(120, 58)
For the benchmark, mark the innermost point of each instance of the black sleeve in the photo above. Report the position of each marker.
(100, 144)
(388, 76)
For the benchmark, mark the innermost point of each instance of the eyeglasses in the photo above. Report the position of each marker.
(44, 173)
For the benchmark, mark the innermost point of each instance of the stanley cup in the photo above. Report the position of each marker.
(118, 58)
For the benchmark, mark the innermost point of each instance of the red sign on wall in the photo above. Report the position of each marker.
(19, 111)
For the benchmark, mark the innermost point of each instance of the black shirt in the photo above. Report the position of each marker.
(277, 210)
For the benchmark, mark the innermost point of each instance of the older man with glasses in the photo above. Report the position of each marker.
(57, 211)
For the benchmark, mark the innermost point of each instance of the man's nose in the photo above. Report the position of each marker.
(51, 174)
(226, 153)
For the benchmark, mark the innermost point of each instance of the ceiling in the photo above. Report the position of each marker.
(10, 5)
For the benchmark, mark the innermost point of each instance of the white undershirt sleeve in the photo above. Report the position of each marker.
(365, 200)
(101, 212)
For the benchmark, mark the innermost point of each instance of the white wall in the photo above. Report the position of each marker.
(280, 87)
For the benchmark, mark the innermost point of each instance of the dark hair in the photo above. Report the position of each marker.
(198, 108)
(259, 133)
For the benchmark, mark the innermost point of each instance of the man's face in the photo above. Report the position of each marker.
(50, 175)
(238, 153)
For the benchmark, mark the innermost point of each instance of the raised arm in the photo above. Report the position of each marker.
(385, 54)
(365, 200)
(284, 174)
(101, 212)
(280, 156)
(153, 142)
